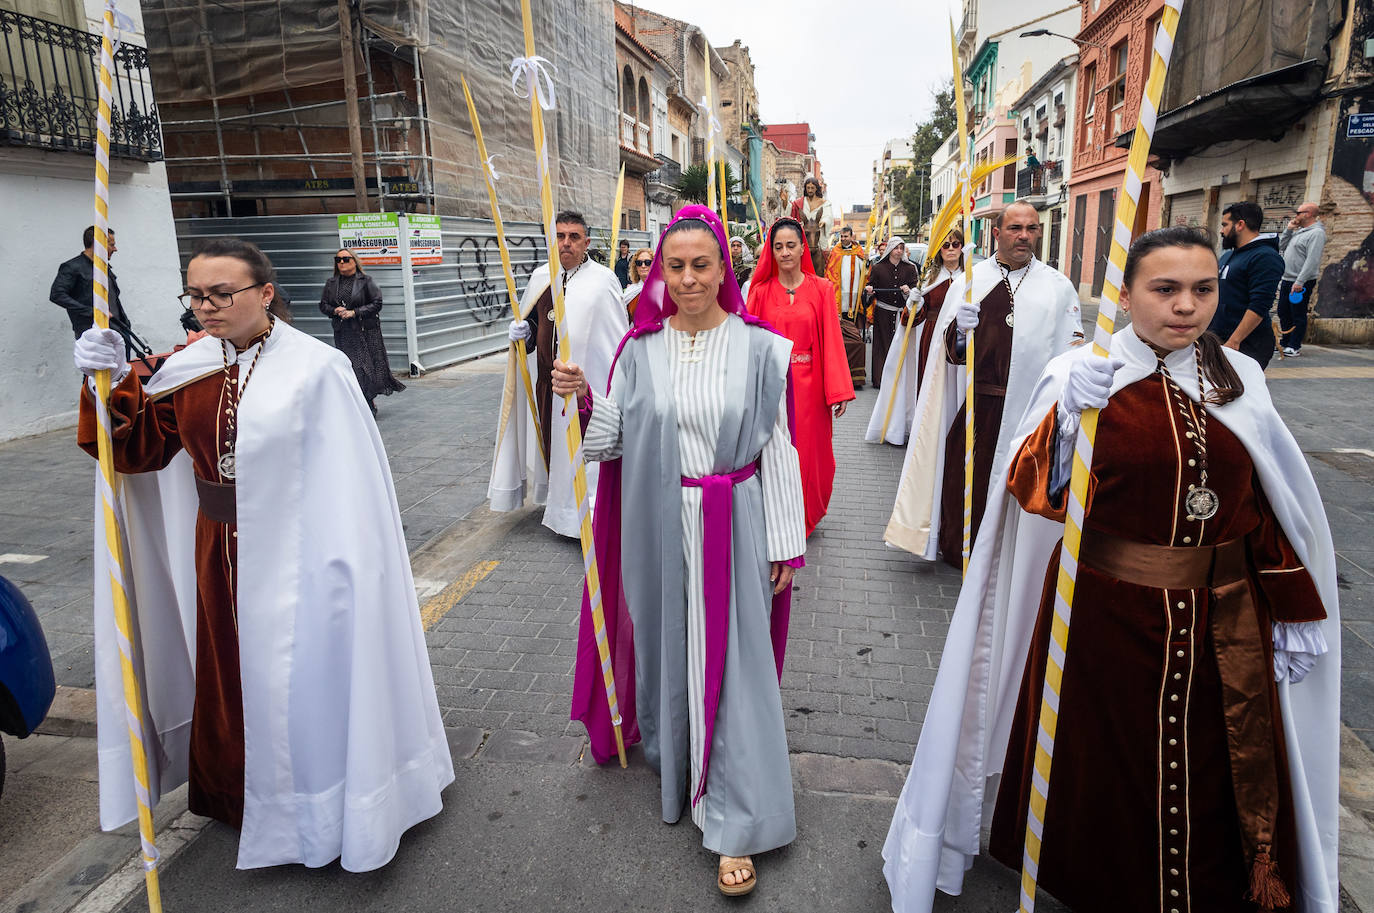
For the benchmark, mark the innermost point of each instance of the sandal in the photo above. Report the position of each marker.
(738, 864)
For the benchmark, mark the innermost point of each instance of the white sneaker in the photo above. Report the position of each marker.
(1290, 352)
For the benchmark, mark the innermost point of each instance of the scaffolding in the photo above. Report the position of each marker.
(253, 107)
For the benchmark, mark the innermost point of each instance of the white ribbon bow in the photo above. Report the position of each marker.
(536, 73)
(491, 169)
(713, 125)
(122, 23)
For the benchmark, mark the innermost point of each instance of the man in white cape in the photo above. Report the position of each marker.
(596, 323)
(344, 746)
(952, 786)
(1033, 315)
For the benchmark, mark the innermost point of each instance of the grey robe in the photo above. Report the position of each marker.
(748, 802)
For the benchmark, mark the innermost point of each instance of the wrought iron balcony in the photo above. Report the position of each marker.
(1030, 183)
(49, 94)
(661, 185)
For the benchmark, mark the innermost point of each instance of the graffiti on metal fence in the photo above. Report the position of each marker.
(483, 287)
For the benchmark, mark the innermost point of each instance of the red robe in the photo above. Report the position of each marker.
(820, 370)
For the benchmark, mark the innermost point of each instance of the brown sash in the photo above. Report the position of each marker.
(217, 500)
(1244, 660)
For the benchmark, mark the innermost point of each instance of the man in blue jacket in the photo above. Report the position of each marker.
(1250, 270)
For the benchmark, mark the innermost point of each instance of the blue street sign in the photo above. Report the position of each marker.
(1360, 126)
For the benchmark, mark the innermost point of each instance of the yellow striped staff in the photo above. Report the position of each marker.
(540, 88)
(615, 211)
(1127, 202)
(133, 689)
(940, 228)
(516, 349)
(965, 188)
(720, 171)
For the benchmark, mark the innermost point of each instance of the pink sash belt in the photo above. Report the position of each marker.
(716, 513)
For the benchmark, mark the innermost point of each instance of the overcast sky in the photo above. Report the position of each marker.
(859, 71)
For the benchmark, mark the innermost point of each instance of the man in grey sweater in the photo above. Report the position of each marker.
(1301, 244)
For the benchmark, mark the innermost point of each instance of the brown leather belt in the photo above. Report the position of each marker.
(217, 500)
(1163, 566)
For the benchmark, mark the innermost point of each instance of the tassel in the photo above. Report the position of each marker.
(1266, 888)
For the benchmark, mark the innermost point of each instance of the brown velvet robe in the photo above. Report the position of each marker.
(991, 368)
(545, 336)
(1166, 692)
(883, 275)
(147, 435)
(930, 313)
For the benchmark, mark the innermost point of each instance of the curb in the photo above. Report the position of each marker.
(72, 713)
(1356, 824)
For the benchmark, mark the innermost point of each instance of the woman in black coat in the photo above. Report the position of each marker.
(353, 303)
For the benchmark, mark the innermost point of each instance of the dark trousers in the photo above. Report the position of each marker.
(884, 328)
(1293, 317)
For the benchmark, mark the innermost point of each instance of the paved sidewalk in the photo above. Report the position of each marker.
(527, 819)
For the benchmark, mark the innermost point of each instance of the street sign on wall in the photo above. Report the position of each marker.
(1360, 126)
(373, 236)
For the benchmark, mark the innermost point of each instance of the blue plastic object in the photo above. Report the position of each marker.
(26, 679)
(1295, 297)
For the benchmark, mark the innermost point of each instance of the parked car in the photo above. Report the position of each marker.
(27, 685)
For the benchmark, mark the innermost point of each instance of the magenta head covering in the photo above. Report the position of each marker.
(656, 305)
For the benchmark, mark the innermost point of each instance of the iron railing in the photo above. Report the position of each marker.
(1030, 182)
(49, 93)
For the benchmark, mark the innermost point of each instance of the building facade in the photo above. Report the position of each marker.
(1116, 39)
(46, 177)
(253, 99)
(1279, 123)
(636, 66)
(1046, 137)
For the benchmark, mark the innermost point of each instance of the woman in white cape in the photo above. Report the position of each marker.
(277, 636)
(1196, 756)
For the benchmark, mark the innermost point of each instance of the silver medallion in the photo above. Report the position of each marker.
(1011, 322)
(1202, 503)
(226, 465)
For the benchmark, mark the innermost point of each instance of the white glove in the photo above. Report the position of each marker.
(1292, 666)
(1088, 384)
(966, 317)
(101, 350)
(519, 331)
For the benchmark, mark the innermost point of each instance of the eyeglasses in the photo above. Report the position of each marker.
(217, 300)
(343, 259)
(952, 245)
(644, 263)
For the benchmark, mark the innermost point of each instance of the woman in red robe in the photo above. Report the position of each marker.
(786, 292)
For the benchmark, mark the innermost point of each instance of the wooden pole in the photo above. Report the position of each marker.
(355, 127)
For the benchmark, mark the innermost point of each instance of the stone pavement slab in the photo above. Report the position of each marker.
(521, 836)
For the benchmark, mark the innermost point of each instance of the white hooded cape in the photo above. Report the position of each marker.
(344, 748)
(952, 786)
(900, 389)
(1049, 321)
(596, 323)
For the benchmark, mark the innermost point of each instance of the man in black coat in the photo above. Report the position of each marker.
(1249, 272)
(74, 291)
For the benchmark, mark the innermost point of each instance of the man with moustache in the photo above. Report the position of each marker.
(595, 323)
(1250, 268)
(1024, 314)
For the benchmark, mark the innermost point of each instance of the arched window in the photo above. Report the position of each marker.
(646, 111)
(627, 92)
